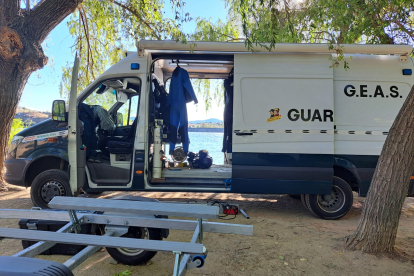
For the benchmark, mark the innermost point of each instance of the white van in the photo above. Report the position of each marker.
(295, 124)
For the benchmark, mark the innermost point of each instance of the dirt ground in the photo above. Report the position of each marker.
(287, 240)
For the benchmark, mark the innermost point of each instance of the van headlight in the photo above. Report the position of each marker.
(16, 140)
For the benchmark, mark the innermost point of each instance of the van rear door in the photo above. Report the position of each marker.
(283, 124)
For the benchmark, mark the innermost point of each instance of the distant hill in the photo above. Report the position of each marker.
(211, 120)
(207, 123)
(31, 117)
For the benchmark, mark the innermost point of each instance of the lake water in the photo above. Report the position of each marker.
(211, 141)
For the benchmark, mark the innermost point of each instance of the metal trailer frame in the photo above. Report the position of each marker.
(127, 213)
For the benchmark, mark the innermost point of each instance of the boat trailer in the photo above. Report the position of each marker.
(115, 216)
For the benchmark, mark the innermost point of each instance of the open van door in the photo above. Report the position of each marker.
(283, 124)
(76, 163)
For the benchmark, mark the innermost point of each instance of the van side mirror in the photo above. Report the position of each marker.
(59, 111)
(119, 119)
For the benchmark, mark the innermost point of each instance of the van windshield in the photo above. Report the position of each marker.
(106, 99)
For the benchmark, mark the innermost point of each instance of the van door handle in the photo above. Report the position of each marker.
(243, 133)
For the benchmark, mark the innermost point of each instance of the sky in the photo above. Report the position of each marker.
(43, 85)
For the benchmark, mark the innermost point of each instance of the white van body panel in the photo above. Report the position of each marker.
(269, 81)
(373, 107)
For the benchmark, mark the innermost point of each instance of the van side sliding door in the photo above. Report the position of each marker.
(283, 128)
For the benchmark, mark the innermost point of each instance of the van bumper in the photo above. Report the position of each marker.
(15, 171)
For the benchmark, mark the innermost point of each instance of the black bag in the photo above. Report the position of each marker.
(203, 154)
(200, 160)
(206, 162)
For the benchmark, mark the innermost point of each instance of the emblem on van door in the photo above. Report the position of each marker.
(274, 115)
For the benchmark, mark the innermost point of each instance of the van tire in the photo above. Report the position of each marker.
(136, 257)
(335, 205)
(303, 199)
(48, 184)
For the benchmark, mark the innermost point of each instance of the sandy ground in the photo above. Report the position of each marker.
(287, 240)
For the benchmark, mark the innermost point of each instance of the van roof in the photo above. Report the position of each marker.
(237, 47)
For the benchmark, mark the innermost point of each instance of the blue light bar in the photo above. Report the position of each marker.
(407, 72)
(134, 66)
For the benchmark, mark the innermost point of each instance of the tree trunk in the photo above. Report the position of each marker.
(378, 225)
(10, 80)
(21, 35)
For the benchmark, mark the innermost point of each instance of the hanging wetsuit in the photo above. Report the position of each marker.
(228, 115)
(181, 93)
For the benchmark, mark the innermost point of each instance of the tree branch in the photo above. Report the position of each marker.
(46, 15)
(319, 35)
(86, 30)
(410, 33)
(138, 16)
(231, 38)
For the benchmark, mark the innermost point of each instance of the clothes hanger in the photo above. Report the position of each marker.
(177, 61)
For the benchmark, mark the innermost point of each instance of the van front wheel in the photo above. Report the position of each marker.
(47, 185)
(334, 205)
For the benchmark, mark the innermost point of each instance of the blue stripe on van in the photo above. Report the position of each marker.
(281, 173)
(283, 159)
(270, 186)
(297, 173)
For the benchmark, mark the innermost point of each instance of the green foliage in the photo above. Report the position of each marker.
(106, 100)
(104, 30)
(210, 90)
(369, 21)
(219, 31)
(16, 127)
(350, 21)
(124, 273)
(325, 21)
(269, 21)
(213, 90)
(133, 112)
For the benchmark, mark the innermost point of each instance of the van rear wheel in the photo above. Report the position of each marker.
(334, 205)
(47, 185)
(136, 256)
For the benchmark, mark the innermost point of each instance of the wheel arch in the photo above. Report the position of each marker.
(347, 171)
(44, 163)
